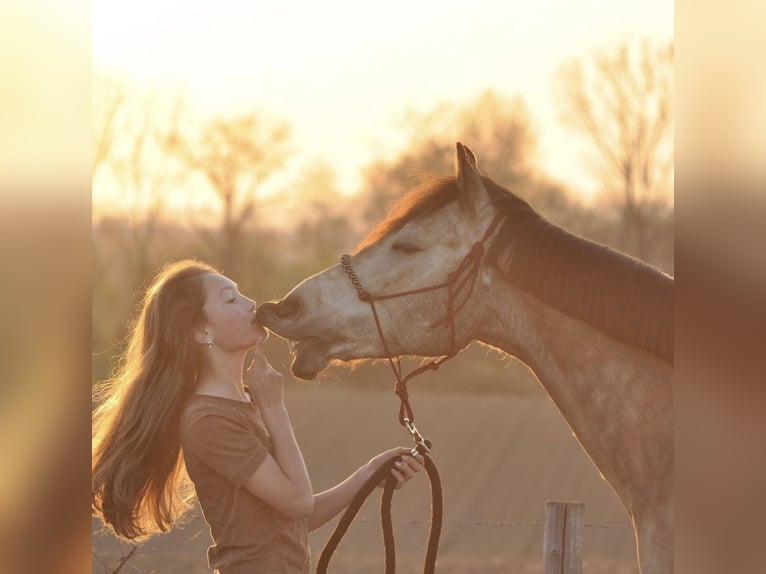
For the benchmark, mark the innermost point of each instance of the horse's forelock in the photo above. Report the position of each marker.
(429, 196)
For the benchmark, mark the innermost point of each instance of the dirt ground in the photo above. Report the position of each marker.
(501, 457)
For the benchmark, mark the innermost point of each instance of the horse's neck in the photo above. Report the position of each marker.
(616, 399)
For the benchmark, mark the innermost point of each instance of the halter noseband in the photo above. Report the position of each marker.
(466, 273)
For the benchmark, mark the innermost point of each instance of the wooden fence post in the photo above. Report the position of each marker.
(562, 540)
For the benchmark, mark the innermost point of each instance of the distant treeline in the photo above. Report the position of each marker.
(271, 260)
(269, 243)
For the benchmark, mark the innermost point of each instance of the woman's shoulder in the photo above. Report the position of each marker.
(198, 407)
(209, 407)
(209, 425)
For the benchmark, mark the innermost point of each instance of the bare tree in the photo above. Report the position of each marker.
(621, 101)
(235, 156)
(497, 128)
(323, 225)
(108, 101)
(147, 171)
(129, 133)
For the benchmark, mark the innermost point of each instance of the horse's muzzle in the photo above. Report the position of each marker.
(279, 315)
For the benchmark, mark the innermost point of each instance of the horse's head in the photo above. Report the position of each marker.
(424, 239)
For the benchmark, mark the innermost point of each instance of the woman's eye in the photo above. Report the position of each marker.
(231, 300)
(405, 248)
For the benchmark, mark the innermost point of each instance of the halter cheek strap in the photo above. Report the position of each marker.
(464, 275)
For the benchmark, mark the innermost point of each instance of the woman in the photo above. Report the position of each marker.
(178, 410)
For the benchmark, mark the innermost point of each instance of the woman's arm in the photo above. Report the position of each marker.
(281, 480)
(330, 503)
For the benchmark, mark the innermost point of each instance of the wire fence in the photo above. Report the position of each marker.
(120, 562)
(498, 523)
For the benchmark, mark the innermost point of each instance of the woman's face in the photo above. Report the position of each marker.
(230, 315)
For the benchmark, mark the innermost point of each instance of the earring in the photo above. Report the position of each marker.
(210, 342)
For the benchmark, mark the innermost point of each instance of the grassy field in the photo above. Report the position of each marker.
(501, 457)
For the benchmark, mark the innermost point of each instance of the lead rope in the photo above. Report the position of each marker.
(470, 264)
(437, 506)
(423, 447)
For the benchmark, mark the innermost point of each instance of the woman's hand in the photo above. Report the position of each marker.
(265, 383)
(329, 503)
(281, 480)
(405, 467)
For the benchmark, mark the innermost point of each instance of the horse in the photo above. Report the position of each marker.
(465, 259)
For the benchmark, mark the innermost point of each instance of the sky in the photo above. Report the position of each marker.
(343, 73)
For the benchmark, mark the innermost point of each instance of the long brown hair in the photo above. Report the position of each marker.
(140, 486)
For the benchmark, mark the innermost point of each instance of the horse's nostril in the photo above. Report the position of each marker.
(283, 309)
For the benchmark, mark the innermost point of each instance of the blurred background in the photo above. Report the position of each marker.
(132, 135)
(268, 139)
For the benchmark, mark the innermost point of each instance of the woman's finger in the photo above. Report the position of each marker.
(400, 480)
(258, 355)
(405, 470)
(412, 463)
(260, 362)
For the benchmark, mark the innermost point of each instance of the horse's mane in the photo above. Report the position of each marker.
(621, 296)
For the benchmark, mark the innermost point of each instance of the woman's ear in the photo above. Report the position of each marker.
(202, 335)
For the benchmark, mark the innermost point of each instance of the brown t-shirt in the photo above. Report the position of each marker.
(224, 442)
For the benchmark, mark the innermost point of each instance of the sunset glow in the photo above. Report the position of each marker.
(343, 74)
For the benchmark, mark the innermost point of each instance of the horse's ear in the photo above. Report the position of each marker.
(470, 158)
(468, 178)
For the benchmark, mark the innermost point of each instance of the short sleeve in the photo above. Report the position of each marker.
(226, 447)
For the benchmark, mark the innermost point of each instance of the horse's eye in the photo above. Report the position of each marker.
(405, 248)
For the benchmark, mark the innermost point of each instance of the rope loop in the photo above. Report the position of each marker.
(470, 264)
(384, 473)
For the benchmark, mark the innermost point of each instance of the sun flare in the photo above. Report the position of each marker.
(344, 75)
